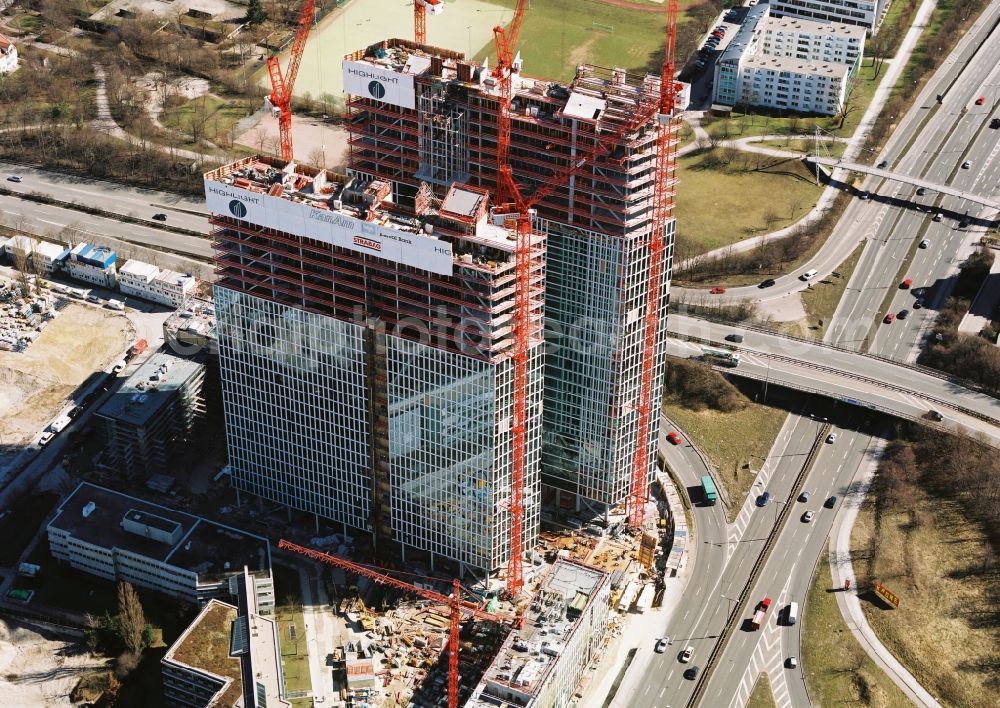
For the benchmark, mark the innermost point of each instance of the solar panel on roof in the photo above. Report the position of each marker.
(239, 637)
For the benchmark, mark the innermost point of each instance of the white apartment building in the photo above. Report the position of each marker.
(146, 281)
(93, 264)
(813, 41)
(793, 84)
(862, 13)
(8, 56)
(788, 64)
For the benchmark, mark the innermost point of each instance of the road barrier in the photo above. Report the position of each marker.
(758, 566)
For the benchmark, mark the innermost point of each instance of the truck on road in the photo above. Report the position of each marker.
(760, 613)
(708, 488)
(136, 349)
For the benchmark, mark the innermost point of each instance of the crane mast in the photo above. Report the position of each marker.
(283, 83)
(664, 186)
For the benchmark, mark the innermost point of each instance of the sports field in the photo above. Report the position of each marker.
(464, 26)
(556, 37)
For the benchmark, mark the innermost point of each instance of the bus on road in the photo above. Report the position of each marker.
(708, 487)
(720, 357)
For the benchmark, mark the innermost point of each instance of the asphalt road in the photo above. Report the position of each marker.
(785, 578)
(44, 219)
(119, 199)
(699, 619)
(957, 131)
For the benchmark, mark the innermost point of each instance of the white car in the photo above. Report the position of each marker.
(966, 165)
(46, 437)
(831, 437)
(791, 662)
(661, 645)
(686, 655)
(808, 516)
(14, 178)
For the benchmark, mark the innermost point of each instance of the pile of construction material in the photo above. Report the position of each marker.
(22, 317)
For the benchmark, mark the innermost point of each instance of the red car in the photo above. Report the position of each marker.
(889, 318)
(905, 285)
(981, 100)
(674, 438)
(717, 290)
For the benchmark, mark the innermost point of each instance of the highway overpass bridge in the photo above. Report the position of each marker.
(989, 202)
(854, 378)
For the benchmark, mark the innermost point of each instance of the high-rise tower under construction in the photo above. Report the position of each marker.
(366, 319)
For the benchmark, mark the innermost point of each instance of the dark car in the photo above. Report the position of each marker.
(918, 303)
(882, 165)
(830, 503)
(963, 224)
(691, 674)
(995, 123)
(902, 314)
(763, 499)
(804, 497)
(159, 217)
(766, 283)
(737, 338)
(921, 191)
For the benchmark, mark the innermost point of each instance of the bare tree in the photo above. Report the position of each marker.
(850, 105)
(132, 619)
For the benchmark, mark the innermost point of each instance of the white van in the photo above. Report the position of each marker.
(809, 274)
(793, 613)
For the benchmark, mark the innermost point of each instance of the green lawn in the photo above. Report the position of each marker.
(721, 204)
(761, 696)
(764, 122)
(836, 668)
(558, 35)
(291, 629)
(731, 441)
(213, 117)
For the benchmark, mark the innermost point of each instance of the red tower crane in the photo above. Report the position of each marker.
(664, 185)
(281, 85)
(507, 192)
(455, 602)
(420, 8)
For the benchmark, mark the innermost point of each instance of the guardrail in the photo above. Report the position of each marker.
(704, 461)
(758, 566)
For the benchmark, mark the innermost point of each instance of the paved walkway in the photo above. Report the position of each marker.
(105, 122)
(854, 144)
(841, 568)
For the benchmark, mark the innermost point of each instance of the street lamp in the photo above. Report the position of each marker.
(731, 601)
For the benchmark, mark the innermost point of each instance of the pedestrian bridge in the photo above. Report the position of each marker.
(907, 179)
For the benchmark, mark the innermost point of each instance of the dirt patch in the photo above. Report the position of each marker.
(34, 384)
(37, 670)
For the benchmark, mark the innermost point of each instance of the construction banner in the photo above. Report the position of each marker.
(887, 594)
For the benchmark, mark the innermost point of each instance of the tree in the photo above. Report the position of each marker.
(255, 13)
(132, 619)
(850, 104)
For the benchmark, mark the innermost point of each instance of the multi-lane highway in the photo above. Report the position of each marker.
(701, 615)
(785, 578)
(897, 219)
(180, 211)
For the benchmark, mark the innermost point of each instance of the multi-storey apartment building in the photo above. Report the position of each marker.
(386, 296)
(861, 13)
(787, 63)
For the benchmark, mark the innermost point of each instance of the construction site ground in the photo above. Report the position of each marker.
(35, 383)
(37, 669)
